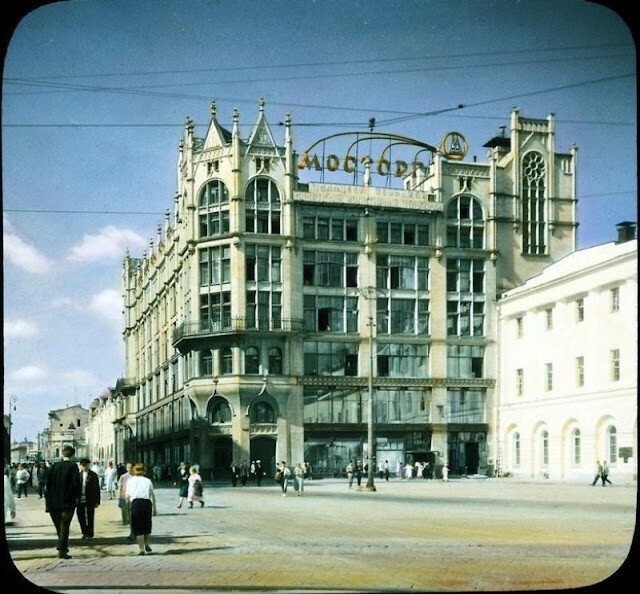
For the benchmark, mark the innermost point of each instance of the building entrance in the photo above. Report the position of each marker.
(221, 452)
(264, 449)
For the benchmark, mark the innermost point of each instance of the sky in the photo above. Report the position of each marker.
(95, 94)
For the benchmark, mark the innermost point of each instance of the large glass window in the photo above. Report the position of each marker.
(214, 265)
(402, 272)
(251, 360)
(262, 412)
(330, 314)
(533, 203)
(395, 315)
(466, 405)
(206, 362)
(263, 263)
(403, 360)
(275, 361)
(401, 232)
(219, 411)
(330, 358)
(330, 227)
(215, 311)
(465, 361)
(262, 206)
(576, 446)
(544, 448)
(213, 209)
(465, 223)
(330, 269)
(264, 310)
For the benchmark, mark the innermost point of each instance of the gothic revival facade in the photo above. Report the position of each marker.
(268, 311)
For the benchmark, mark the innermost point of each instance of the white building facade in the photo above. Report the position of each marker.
(567, 388)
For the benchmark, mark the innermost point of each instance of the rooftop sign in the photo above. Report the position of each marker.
(453, 146)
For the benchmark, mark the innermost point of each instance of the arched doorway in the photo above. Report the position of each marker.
(264, 449)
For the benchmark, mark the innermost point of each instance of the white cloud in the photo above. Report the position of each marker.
(24, 255)
(19, 329)
(78, 377)
(107, 304)
(28, 375)
(107, 244)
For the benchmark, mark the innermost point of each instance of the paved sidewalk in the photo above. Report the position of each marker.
(464, 535)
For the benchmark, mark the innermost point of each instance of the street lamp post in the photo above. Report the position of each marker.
(371, 459)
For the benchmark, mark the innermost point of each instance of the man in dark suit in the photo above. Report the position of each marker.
(89, 499)
(61, 497)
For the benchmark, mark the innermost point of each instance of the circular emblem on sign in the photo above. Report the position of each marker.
(454, 146)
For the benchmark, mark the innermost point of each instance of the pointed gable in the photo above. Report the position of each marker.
(217, 136)
(261, 140)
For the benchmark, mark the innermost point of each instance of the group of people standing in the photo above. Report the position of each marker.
(74, 489)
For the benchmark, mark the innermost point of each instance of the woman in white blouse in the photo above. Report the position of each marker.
(143, 506)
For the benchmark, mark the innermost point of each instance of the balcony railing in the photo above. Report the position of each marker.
(231, 325)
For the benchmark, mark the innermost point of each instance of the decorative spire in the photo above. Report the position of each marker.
(261, 104)
(214, 109)
(236, 119)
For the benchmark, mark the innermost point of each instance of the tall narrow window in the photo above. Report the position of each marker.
(579, 310)
(226, 361)
(516, 449)
(577, 445)
(615, 364)
(519, 382)
(251, 360)
(533, 204)
(262, 206)
(612, 444)
(548, 318)
(549, 377)
(544, 443)
(213, 209)
(579, 372)
(465, 223)
(519, 327)
(614, 299)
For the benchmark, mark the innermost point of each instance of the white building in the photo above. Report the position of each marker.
(567, 379)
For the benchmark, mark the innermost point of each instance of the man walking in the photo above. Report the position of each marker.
(89, 499)
(598, 475)
(61, 497)
(605, 474)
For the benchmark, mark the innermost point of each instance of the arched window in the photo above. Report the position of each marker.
(465, 223)
(576, 445)
(213, 209)
(533, 203)
(612, 444)
(275, 361)
(219, 411)
(251, 360)
(262, 412)
(516, 449)
(262, 206)
(544, 448)
(226, 361)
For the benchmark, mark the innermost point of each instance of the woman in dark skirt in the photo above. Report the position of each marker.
(143, 506)
(182, 481)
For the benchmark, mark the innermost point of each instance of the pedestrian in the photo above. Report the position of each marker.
(252, 472)
(9, 501)
(89, 499)
(22, 480)
(445, 473)
(298, 479)
(123, 502)
(350, 473)
(233, 469)
(142, 500)
(259, 472)
(605, 474)
(43, 469)
(385, 470)
(98, 468)
(282, 477)
(244, 472)
(408, 471)
(359, 469)
(182, 482)
(196, 488)
(61, 497)
(111, 479)
(598, 474)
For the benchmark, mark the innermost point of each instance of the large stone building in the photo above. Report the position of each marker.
(268, 312)
(568, 375)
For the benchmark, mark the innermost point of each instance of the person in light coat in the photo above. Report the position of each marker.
(9, 502)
